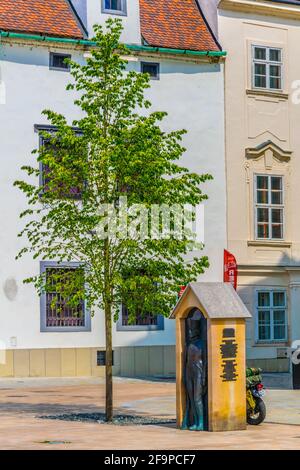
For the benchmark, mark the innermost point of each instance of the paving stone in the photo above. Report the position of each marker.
(23, 401)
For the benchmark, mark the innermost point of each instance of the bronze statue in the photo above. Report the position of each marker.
(195, 375)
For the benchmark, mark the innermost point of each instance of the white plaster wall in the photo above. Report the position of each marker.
(30, 88)
(131, 22)
(209, 9)
(193, 96)
(81, 9)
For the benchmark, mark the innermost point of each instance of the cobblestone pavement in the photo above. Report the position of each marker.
(23, 401)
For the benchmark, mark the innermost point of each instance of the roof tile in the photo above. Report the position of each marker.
(47, 17)
(175, 24)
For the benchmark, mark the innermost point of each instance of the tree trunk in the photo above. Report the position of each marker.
(108, 335)
(108, 367)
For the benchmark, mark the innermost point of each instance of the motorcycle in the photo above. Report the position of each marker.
(256, 408)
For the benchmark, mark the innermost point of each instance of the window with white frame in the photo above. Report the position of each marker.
(271, 306)
(269, 207)
(58, 312)
(115, 7)
(267, 68)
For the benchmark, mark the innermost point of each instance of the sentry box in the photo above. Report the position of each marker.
(211, 316)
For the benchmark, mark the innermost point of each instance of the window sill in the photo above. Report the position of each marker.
(273, 94)
(273, 243)
(129, 328)
(275, 344)
(59, 69)
(65, 329)
(114, 12)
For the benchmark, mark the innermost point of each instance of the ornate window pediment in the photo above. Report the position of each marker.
(269, 151)
(268, 169)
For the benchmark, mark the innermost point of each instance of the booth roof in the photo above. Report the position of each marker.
(218, 299)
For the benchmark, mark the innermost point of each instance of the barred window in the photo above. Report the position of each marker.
(57, 61)
(57, 311)
(151, 68)
(145, 320)
(73, 192)
(148, 321)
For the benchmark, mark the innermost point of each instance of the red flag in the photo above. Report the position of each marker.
(182, 289)
(230, 269)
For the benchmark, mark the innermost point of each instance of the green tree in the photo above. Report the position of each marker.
(116, 150)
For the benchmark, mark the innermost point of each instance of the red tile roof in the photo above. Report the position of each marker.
(175, 24)
(47, 17)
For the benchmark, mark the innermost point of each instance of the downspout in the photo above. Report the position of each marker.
(2, 84)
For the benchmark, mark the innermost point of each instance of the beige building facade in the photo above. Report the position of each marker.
(262, 39)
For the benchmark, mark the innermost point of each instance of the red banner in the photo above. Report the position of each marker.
(230, 269)
(182, 289)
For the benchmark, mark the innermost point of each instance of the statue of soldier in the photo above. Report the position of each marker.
(195, 385)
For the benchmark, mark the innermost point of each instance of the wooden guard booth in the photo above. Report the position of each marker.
(225, 316)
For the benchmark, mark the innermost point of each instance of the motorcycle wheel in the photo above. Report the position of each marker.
(258, 415)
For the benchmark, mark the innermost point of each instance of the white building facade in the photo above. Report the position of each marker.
(187, 82)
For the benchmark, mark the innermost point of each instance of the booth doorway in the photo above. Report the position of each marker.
(196, 333)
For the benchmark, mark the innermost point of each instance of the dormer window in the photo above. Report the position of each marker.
(114, 7)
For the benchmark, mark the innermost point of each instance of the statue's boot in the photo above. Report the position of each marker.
(200, 427)
(193, 428)
(200, 424)
(197, 427)
(184, 425)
